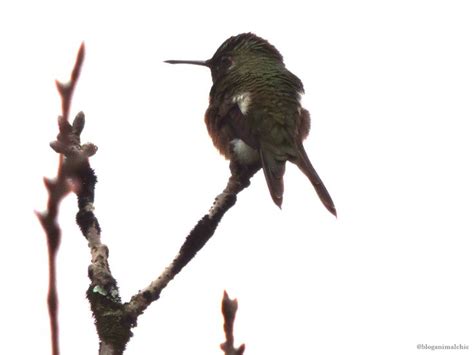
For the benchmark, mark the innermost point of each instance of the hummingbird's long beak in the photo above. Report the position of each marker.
(194, 62)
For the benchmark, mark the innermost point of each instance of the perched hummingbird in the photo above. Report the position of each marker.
(255, 114)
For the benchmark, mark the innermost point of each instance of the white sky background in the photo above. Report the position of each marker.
(390, 86)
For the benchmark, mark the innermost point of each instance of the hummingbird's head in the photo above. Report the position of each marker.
(235, 52)
(241, 50)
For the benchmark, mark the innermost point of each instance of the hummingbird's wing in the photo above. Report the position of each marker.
(240, 126)
(226, 122)
(272, 161)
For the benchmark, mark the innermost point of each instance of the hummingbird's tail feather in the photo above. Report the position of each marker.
(307, 168)
(274, 170)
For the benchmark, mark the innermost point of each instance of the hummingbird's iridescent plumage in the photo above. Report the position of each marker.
(255, 114)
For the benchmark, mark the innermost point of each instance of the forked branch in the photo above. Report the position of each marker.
(114, 319)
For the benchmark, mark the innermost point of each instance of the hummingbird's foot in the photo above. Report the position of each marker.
(239, 180)
(241, 174)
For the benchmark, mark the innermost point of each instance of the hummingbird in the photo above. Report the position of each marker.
(255, 115)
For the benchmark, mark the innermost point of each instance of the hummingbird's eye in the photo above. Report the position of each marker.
(220, 65)
(226, 62)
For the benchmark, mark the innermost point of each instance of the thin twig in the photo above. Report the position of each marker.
(57, 189)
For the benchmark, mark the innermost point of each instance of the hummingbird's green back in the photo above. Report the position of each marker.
(255, 116)
(274, 108)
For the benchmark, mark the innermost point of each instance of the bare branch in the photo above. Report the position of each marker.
(57, 189)
(103, 293)
(196, 239)
(67, 89)
(229, 309)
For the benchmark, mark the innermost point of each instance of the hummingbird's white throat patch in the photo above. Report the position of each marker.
(243, 100)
